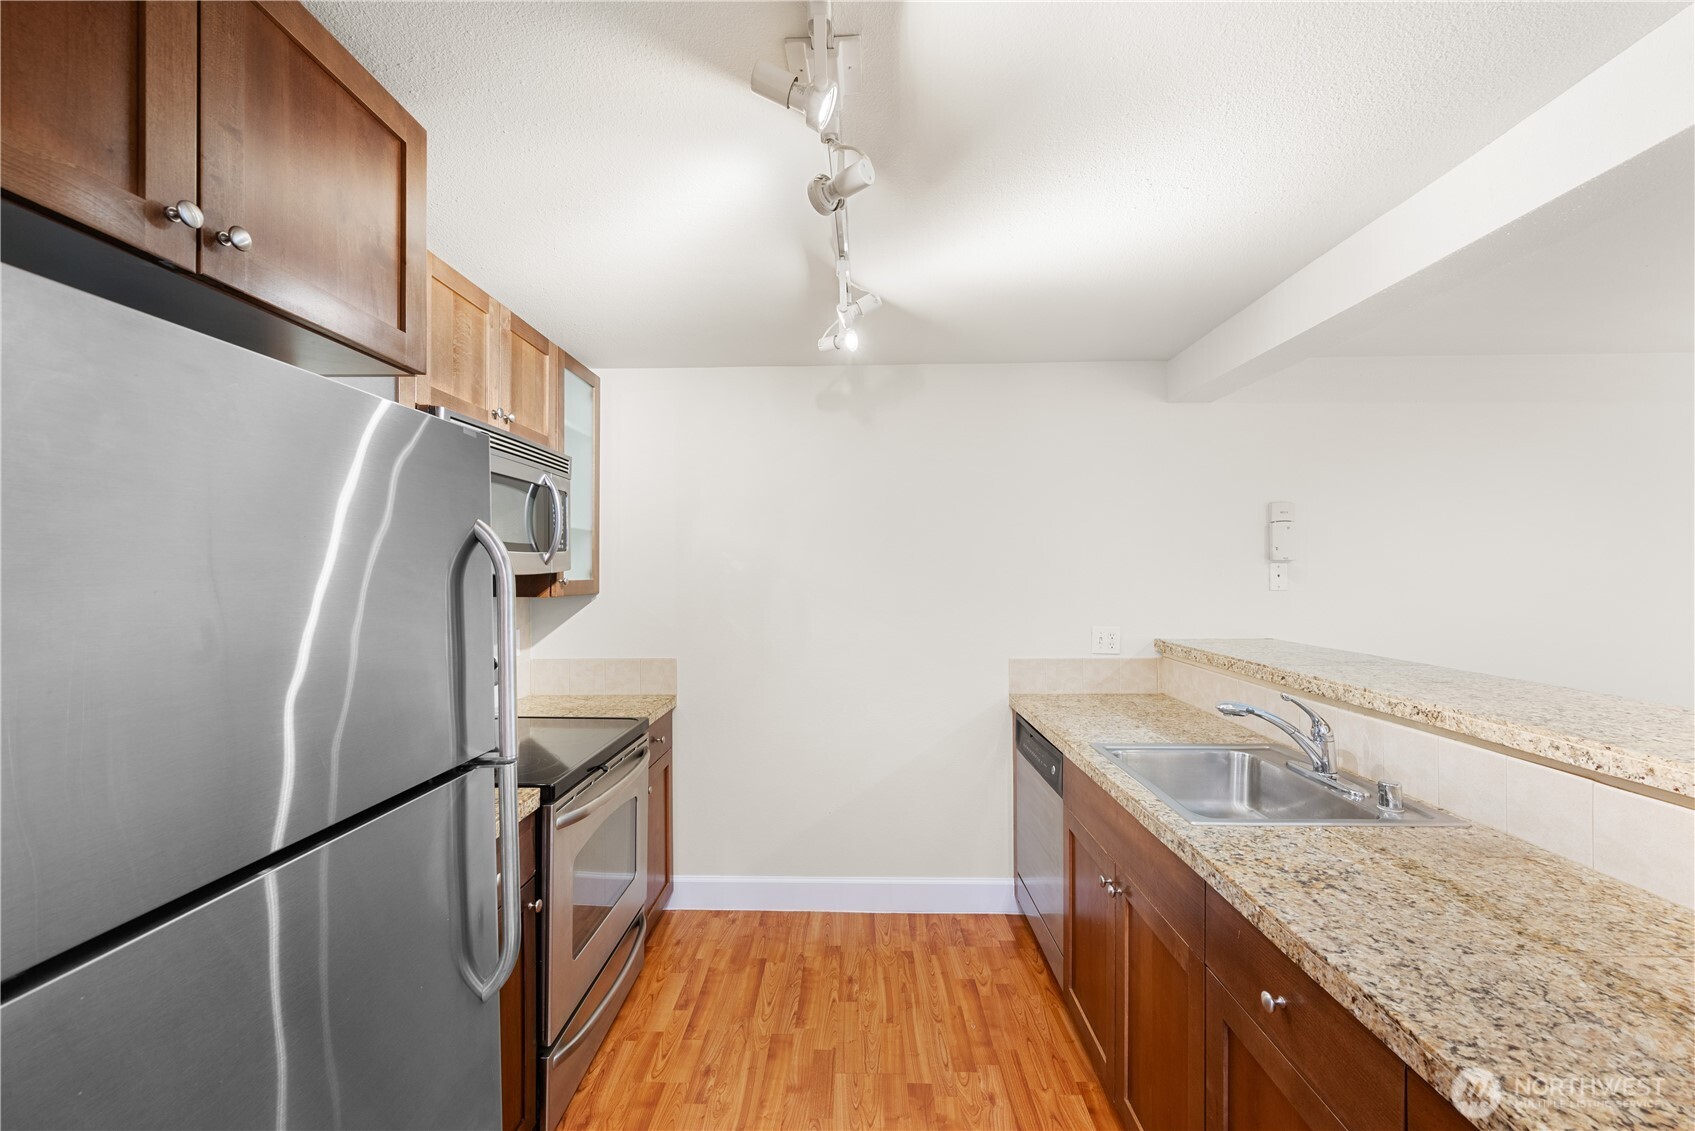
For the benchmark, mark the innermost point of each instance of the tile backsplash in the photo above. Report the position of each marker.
(1105, 675)
(1639, 839)
(602, 677)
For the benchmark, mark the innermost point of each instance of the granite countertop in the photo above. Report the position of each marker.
(649, 707)
(1459, 948)
(1651, 744)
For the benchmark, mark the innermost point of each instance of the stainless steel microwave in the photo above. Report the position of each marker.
(529, 498)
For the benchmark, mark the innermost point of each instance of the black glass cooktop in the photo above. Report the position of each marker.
(556, 755)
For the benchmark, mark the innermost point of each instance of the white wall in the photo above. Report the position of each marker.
(842, 560)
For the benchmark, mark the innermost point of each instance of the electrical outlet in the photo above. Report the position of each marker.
(1106, 640)
(1280, 575)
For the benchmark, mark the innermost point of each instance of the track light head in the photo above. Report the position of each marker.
(827, 193)
(864, 305)
(814, 103)
(839, 337)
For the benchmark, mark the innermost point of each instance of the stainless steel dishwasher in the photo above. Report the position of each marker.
(1039, 840)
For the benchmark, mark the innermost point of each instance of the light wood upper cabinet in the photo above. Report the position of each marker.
(531, 395)
(461, 369)
(252, 112)
(300, 146)
(98, 108)
(487, 363)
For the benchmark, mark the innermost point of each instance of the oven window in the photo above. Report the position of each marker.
(603, 870)
(519, 513)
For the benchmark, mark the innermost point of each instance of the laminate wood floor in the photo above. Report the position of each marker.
(745, 1019)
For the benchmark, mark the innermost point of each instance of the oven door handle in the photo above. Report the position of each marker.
(505, 758)
(569, 1046)
(556, 518)
(605, 795)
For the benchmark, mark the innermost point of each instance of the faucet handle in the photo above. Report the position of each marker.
(1320, 728)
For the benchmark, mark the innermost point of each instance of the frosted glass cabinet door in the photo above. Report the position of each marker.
(582, 444)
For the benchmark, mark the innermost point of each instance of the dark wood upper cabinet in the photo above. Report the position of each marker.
(111, 113)
(303, 149)
(97, 116)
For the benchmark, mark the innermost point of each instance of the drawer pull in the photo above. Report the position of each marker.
(1271, 1004)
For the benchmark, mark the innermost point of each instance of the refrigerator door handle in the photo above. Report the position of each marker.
(505, 758)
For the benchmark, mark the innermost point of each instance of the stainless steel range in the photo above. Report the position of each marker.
(593, 866)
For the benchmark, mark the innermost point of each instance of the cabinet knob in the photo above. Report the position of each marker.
(1271, 1004)
(186, 213)
(1105, 883)
(536, 906)
(237, 237)
(1113, 889)
(510, 418)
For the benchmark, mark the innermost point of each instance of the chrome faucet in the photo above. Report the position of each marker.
(1319, 746)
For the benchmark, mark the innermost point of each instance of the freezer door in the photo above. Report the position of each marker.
(332, 991)
(241, 603)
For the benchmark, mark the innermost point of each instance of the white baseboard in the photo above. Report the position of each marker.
(961, 895)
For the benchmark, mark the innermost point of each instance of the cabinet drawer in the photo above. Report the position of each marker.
(1355, 1073)
(659, 736)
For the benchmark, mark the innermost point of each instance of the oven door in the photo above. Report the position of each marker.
(597, 862)
(529, 507)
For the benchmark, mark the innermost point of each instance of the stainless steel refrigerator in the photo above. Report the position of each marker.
(249, 622)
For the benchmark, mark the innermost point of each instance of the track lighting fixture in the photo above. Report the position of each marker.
(829, 193)
(810, 86)
(864, 305)
(839, 337)
(814, 103)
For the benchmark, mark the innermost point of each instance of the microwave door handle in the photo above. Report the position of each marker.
(556, 518)
(505, 758)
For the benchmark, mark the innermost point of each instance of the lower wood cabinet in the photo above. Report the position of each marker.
(659, 810)
(1133, 980)
(1250, 1084)
(1428, 1110)
(1193, 1018)
(1164, 1018)
(520, 1024)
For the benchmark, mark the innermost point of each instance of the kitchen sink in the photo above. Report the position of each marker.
(1258, 785)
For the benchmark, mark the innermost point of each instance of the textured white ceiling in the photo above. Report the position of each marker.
(1055, 181)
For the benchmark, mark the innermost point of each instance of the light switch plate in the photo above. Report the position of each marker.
(1106, 640)
(1280, 575)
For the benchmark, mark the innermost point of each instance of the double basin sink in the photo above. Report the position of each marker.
(1257, 785)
